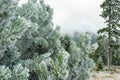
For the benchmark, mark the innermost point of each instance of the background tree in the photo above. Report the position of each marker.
(79, 57)
(111, 14)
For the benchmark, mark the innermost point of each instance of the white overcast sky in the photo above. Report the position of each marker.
(76, 15)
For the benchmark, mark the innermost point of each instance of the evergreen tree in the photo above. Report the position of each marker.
(99, 65)
(111, 13)
(40, 37)
(65, 42)
(80, 64)
(30, 48)
(11, 28)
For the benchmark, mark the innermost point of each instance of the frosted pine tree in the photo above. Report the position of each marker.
(80, 65)
(40, 37)
(39, 40)
(11, 28)
(30, 48)
(5, 73)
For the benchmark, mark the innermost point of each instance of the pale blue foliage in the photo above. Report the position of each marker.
(41, 37)
(30, 47)
(84, 68)
(7, 11)
(79, 63)
(11, 28)
(59, 66)
(20, 73)
(40, 66)
(85, 44)
(50, 69)
(5, 73)
(42, 71)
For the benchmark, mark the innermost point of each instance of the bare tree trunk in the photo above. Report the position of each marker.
(108, 59)
(109, 40)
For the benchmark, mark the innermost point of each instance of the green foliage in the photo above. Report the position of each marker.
(7, 11)
(20, 73)
(11, 28)
(99, 64)
(5, 73)
(79, 62)
(85, 69)
(47, 68)
(41, 70)
(40, 37)
(85, 44)
(108, 36)
(40, 66)
(30, 48)
(59, 66)
(65, 42)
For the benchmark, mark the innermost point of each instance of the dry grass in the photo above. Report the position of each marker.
(105, 76)
(113, 75)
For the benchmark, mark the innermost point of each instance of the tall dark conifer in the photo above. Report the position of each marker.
(111, 14)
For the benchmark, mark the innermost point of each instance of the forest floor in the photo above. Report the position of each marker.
(114, 74)
(105, 76)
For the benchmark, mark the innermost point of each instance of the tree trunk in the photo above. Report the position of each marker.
(108, 59)
(109, 40)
